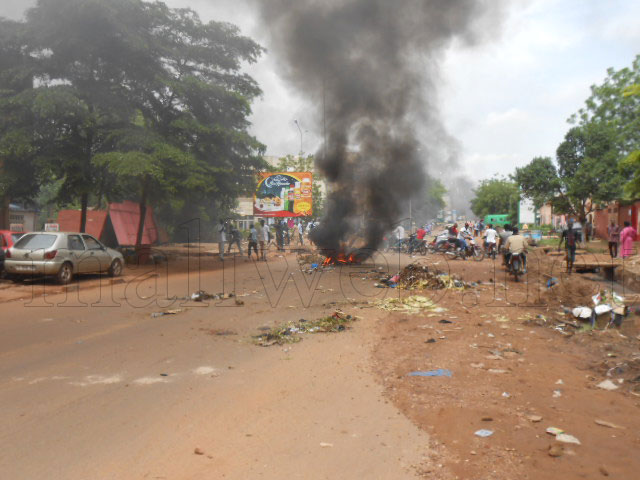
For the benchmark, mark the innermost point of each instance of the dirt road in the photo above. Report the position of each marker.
(94, 385)
(110, 392)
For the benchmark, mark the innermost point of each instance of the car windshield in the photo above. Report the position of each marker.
(36, 241)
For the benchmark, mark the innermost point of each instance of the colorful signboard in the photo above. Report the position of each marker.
(284, 194)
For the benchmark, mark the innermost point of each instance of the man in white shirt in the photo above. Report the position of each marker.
(264, 241)
(490, 239)
(222, 238)
(301, 232)
(399, 232)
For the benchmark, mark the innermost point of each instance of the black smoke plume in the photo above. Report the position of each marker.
(370, 69)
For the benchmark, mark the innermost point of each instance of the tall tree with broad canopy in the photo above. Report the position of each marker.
(134, 93)
(586, 172)
(608, 104)
(630, 166)
(17, 143)
(496, 196)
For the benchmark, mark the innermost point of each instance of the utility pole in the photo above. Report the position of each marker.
(300, 130)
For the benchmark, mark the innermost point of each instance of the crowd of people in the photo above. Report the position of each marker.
(261, 236)
(506, 238)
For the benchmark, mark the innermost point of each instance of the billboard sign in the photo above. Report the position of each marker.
(284, 194)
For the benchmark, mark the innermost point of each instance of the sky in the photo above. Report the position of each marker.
(505, 101)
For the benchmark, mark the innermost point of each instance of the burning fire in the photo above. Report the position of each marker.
(340, 258)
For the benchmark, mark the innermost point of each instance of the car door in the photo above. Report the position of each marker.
(77, 253)
(98, 252)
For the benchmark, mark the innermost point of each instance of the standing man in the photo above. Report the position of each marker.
(301, 232)
(399, 233)
(280, 226)
(253, 241)
(263, 239)
(627, 237)
(614, 238)
(235, 238)
(570, 237)
(222, 238)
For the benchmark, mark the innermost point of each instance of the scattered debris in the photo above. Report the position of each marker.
(554, 431)
(440, 372)
(534, 418)
(201, 296)
(445, 321)
(290, 332)
(604, 423)
(566, 438)
(219, 332)
(166, 312)
(557, 394)
(556, 450)
(483, 433)
(607, 385)
(411, 305)
(326, 445)
(198, 451)
(418, 277)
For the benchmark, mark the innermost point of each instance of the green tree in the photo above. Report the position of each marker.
(609, 105)
(434, 201)
(17, 143)
(496, 196)
(586, 172)
(630, 166)
(136, 93)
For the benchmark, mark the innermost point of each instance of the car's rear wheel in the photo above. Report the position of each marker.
(115, 270)
(65, 274)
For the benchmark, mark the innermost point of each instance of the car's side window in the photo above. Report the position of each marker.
(75, 243)
(92, 243)
(3, 243)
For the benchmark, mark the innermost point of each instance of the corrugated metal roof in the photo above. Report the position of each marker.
(69, 221)
(125, 217)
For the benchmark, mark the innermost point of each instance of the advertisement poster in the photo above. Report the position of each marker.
(284, 195)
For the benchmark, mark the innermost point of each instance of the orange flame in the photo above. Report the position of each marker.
(340, 259)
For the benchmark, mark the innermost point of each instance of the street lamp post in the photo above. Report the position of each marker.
(300, 130)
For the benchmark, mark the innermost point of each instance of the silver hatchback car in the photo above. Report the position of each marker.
(61, 254)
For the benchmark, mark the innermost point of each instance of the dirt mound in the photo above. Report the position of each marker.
(570, 292)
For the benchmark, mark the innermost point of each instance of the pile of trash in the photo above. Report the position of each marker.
(290, 333)
(202, 296)
(419, 277)
(604, 302)
(412, 305)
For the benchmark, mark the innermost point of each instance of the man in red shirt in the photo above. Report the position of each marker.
(420, 233)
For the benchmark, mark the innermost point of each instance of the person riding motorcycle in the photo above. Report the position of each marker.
(490, 238)
(417, 239)
(503, 235)
(516, 243)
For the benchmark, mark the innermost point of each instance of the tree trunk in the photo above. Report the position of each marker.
(4, 212)
(143, 214)
(84, 202)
